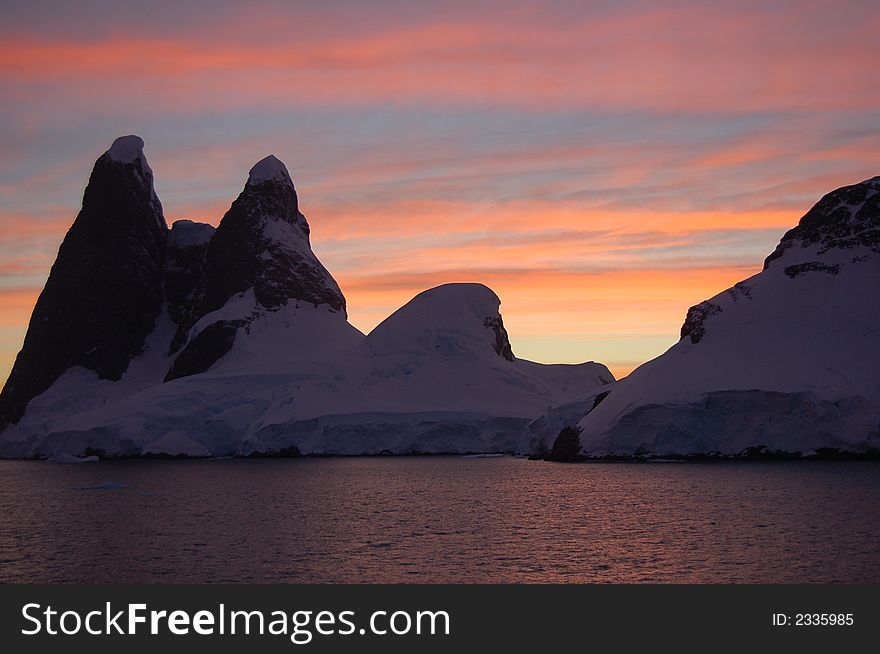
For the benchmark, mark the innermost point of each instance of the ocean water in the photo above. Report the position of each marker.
(438, 519)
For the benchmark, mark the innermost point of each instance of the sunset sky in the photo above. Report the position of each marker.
(601, 165)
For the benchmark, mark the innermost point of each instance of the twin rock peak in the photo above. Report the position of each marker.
(120, 266)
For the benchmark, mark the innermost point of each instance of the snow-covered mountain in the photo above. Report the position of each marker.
(788, 359)
(198, 342)
(438, 375)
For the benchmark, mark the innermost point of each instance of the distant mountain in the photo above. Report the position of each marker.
(787, 360)
(198, 342)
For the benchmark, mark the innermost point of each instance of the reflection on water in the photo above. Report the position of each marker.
(438, 519)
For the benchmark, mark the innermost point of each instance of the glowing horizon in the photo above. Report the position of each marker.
(602, 166)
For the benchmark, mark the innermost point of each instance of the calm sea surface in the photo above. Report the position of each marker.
(438, 519)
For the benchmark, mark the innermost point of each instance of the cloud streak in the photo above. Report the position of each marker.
(710, 57)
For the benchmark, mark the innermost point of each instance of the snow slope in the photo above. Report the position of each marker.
(436, 376)
(787, 359)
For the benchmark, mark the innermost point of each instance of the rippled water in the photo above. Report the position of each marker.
(438, 519)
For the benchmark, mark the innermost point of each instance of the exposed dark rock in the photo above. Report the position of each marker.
(598, 400)
(812, 266)
(502, 342)
(763, 453)
(739, 290)
(290, 452)
(205, 349)
(567, 446)
(694, 322)
(185, 276)
(104, 292)
(845, 218)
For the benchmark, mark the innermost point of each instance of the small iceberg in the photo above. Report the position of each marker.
(63, 457)
(107, 485)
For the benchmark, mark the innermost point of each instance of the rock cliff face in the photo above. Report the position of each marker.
(185, 276)
(105, 289)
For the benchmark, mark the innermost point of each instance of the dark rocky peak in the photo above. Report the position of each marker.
(846, 218)
(263, 243)
(104, 291)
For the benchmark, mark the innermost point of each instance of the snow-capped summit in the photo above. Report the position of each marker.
(447, 320)
(263, 243)
(786, 359)
(126, 149)
(269, 169)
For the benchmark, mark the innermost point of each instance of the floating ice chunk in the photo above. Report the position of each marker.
(107, 485)
(63, 457)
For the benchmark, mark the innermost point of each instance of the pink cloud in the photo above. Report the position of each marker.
(694, 59)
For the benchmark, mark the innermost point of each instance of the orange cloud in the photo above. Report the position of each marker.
(527, 296)
(435, 217)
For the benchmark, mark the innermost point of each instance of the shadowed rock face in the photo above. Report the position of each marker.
(205, 349)
(104, 292)
(185, 276)
(502, 342)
